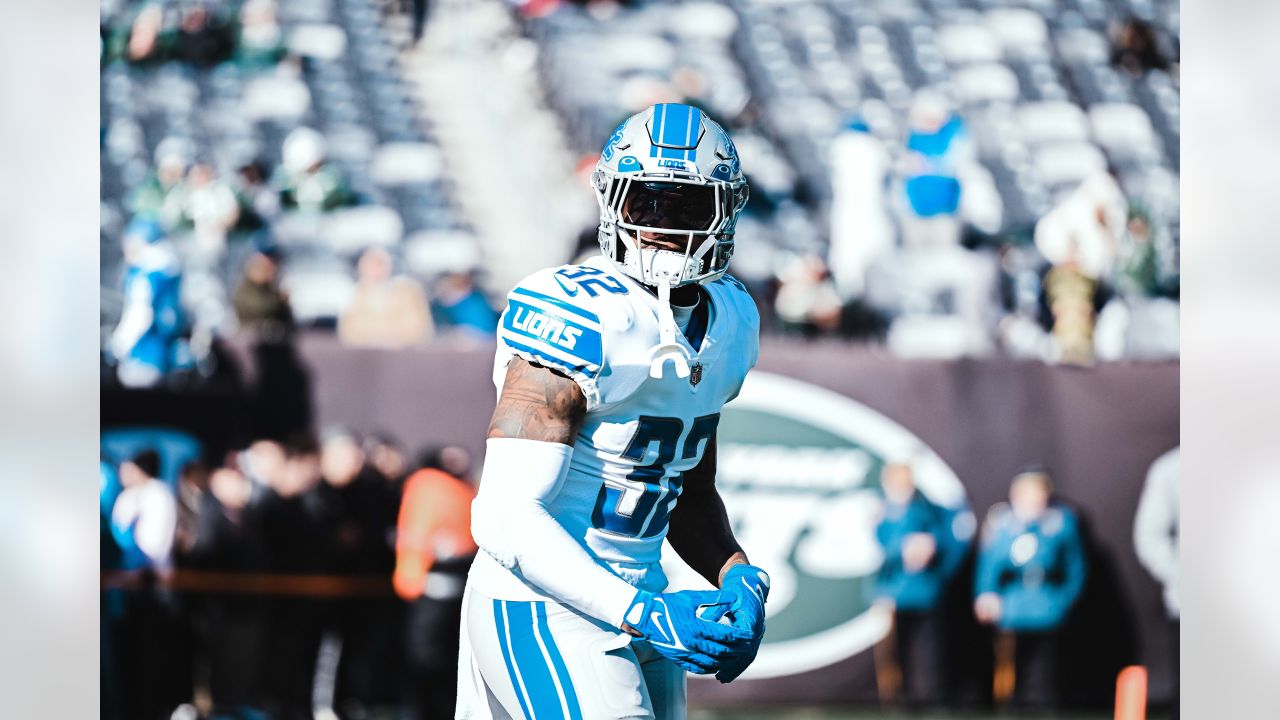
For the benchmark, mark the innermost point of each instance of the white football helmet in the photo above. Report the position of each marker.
(672, 173)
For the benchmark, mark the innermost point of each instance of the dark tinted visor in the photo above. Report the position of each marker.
(672, 206)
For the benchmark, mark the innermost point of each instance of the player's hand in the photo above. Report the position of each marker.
(748, 588)
(674, 625)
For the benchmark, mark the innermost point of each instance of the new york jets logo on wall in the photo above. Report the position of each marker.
(799, 470)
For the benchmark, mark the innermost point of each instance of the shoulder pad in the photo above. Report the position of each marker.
(733, 289)
(553, 323)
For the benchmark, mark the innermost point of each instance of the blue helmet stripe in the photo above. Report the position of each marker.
(655, 135)
(691, 135)
(675, 125)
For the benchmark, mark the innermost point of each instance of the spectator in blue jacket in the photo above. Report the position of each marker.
(148, 342)
(938, 148)
(923, 544)
(1031, 570)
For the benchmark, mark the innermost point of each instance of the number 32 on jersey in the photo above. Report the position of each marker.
(641, 504)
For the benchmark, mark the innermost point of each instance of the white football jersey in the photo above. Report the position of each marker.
(640, 433)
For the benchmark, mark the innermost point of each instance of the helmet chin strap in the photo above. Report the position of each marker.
(667, 347)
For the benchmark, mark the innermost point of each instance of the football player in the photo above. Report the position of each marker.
(611, 376)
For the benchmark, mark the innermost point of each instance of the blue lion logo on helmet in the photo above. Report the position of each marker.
(614, 139)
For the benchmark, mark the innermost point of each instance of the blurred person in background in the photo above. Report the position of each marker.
(353, 503)
(145, 39)
(938, 145)
(163, 194)
(807, 301)
(1135, 49)
(149, 340)
(261, 305)
(1155, 538)
(1141, 320)
(1079, 238)
(385, 456)
(861, 228)
(205, 37)
(280, 399)
(305, 178)
(1031, 570)
(386, 310)
(144, 516)
(143, 521)
(923, 545)
(434, 551)
(233, 625)
(111, 604)
(293, 534)
(457, 302)
(260, 41)
(259, 202)
(941, 294)
(211, 209)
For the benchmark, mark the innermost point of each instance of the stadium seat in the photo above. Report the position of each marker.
(321, 41)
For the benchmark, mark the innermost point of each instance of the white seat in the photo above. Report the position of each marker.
(274, 97)
(1083, 45)
(989, 82)
(353, 229)
(1053, 121)
(1068, 162)
(401, 163)
(437, 252)
(702, 20)
(322, 41)
(965, 44)
(1124, 129)
(1019, 30)
(316, 295)
(351, 143)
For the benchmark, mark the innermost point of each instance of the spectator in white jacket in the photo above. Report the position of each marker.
(1155, 538)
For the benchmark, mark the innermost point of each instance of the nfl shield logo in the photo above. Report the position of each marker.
(695, 374)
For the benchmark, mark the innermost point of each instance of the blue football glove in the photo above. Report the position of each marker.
(674, 625)
(747, 587)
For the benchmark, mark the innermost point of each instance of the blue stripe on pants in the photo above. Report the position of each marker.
(506, 656)
(531, 664)
(562, 672)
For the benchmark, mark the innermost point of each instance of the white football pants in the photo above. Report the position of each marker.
(539, 660)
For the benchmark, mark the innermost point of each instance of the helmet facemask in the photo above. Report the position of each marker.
(683, 210)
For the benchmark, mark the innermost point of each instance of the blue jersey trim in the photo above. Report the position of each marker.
(558, 303)
(548, 359)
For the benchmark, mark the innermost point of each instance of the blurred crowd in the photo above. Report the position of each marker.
(964, 189)
(228, 208)
(949, 179)
(262, 587)
(1026, 570)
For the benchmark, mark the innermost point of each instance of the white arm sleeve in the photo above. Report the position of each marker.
(510, 522)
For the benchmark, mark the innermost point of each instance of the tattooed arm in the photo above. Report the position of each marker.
(538, 404)
(527, 459)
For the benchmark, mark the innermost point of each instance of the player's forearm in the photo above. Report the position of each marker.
(510, 522)
(702, 536)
